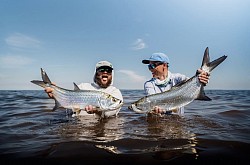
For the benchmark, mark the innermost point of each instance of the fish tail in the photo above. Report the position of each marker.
(209, 66)
(40, 83)
(202, 95)
(46, 81)
(45, 77)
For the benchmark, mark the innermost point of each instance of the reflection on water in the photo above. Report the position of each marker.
(93, 129)
(216, 129)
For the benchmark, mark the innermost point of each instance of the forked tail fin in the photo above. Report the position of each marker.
(209, 66)
(45, 78)
(40, 83)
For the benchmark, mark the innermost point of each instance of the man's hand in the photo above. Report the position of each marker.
(90, 109)
(203, 76)
(49, 91)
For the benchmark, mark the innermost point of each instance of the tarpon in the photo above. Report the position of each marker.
(180, 94)
(79, 99)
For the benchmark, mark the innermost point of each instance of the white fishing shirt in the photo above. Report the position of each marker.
(154, 86)
(110, 90)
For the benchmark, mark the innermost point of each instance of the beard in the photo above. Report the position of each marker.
(98, 80)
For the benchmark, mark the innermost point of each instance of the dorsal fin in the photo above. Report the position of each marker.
(76, 88)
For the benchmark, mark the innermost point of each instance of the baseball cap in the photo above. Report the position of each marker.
(104, 63)
(157, 57)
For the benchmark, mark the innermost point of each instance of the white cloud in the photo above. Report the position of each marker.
(11, 61)
(18, 40)
(139, 44)
(132, 76)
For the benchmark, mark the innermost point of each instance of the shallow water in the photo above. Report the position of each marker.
(210, 132)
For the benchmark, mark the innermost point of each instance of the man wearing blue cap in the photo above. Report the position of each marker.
(163, 80)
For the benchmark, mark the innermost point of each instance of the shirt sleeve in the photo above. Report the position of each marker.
(149, 88)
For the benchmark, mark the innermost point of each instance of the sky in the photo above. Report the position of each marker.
(68, 37)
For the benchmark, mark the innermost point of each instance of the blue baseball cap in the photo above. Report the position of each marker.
(157, 57)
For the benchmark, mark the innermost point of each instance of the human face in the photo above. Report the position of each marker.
(103, 76)
(157, 68)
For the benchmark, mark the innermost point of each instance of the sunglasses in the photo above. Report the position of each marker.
(154, 65)
(108, 70)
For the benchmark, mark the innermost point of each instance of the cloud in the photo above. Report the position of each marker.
(18, 40)
(139, 44)
(12, 61)
(133, 76)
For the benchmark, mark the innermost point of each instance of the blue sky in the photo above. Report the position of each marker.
(68, 37)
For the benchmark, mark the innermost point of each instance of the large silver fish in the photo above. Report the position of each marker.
(179, 95)
(79, 99)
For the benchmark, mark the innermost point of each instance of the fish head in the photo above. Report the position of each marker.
(140, 106)
(110, 103)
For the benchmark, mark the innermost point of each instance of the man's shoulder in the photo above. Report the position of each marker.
(112, 88)
(150, 81)
(113, 91)
(178, 76)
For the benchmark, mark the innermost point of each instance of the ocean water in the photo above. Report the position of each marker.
(210, 132)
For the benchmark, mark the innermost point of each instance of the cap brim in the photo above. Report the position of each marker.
(104, 66)
(145, 61)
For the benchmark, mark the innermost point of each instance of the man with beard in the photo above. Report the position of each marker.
(103, 81)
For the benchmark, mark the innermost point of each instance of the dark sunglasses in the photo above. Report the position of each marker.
(108, 70)
(154, 65)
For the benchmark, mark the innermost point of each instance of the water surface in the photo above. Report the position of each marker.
(210, 132)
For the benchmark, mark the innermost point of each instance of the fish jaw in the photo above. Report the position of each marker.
(108, 102)
(135, 108)
(114, 106)
(141, 106)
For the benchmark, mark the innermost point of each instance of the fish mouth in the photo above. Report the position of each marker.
(130, 107)
(135, 109)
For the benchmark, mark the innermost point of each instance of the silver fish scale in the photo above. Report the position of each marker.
(79, 99)
(175, 98)
(75, 99)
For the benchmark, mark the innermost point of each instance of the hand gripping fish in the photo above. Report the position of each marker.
(179, 95)
(79, 99)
